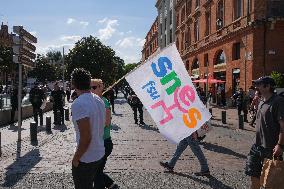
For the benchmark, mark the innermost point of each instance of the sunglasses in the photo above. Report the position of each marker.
(94, 87)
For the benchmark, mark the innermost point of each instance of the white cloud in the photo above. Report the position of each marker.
(70, 20)
(130, 42)
(107, 32)
(84, 23)
(59, 47)
(72, 38)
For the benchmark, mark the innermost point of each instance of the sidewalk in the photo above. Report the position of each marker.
(134, 162)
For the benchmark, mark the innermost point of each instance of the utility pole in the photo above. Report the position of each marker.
(63, 68)
(22, 56)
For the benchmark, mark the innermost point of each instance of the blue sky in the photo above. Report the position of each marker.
(121, 24)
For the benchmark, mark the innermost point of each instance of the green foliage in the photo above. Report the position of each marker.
(129, 67)
(6, 62)
(44, 70)
(278, 78)
(89, 53)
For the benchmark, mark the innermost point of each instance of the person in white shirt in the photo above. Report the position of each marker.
(88, 116)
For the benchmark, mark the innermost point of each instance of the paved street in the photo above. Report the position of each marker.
(134, 162)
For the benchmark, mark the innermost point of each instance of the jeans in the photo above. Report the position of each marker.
(140, 110)
(84, 174)
(102, 180)
(194, 145)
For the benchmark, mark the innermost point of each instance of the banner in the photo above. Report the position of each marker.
(166, 90)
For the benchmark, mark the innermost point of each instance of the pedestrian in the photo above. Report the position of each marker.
(110, 96)
(269, 141)
(219, 94)
(57, 97)
(193, 143)
(136, 105)
(14, 102)
(251, 93)
(242, 102)
(254, 106)
(1, 89)
(68, 94)
(103, 180)
(36, 97)
(88, 116)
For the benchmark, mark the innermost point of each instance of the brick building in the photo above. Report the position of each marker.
(151, 41)
(239, 40)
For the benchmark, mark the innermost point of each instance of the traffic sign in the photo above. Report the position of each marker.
(27, 53)
(22, 32)
(27, 45)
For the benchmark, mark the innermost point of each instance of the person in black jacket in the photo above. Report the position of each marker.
(37, 97)
(14, 102)
(58, 97)
(136, 104)
(242, 102)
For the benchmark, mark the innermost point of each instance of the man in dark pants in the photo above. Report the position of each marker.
(242, 103)
(58, 97)
(14, 102)
(269, 140)
(37, 97)
(88, 115)
(136, 104)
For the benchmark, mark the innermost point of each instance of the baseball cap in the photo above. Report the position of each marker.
(265, 80)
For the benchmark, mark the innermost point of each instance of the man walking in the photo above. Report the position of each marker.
(136, 105)
(57, 97)
(192, 142)
(37, 97)
(242, 103)
(88, 116)
(269, 130)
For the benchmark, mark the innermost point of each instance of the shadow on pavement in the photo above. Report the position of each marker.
(212, 182)
(148, 127)
(16, 171)
(61, 128)
(116, 114)
(225, 127)
(221, 149)
(14, 128)
(120, 101)
(115, 127)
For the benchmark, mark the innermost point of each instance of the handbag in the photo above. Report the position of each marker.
(272, 174)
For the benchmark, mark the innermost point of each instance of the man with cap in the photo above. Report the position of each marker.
(269, 140)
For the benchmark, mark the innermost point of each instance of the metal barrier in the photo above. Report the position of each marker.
(33, 131)
(224, 121)
(0, 145)
(66, 112)
(241, 122)
(48, 124)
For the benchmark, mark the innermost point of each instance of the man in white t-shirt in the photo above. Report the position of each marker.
(88, 116)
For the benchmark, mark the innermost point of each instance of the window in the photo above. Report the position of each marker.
(195, 64)
(165, 23)
(161, 29)
(188, 7)
(236, 51)
(207, 23)
(237, 8)
(197, 3)
(183, 14)
(177, 43)
(182, 41)
(220, 15)
(188, 38)
(196, 31)
(171, 35)
(177, 19)
(206, 60)
(171, 17)
(165, 40)
(221, 58)
(187, 65)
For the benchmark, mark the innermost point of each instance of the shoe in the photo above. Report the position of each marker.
(115, 186)
(201, 138)
(202, 173)
(167, 166)
(142, 123)
(136, 122)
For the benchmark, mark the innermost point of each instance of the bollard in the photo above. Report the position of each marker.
(33, 131)
(41, 120)
(241, 122)
(66, 112)
(48, 124)
(57, 118)
(210, 110)
(224, 117)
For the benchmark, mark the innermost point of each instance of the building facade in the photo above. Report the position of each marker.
(166, 22)
(236, 41)
(151, 41)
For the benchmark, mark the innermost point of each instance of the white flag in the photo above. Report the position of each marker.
(166, 90)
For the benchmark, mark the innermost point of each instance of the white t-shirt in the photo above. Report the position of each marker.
(91, 106)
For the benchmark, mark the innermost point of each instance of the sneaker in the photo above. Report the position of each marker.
(142, 123)
(202, 173)
(136, 122)
(167, 166)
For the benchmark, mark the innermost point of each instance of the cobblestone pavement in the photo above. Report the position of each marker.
(134, 162)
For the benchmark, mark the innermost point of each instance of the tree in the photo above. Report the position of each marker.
(89, 53)
(44, 71)
(278, 78)
(129, 67)
(6, 62)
